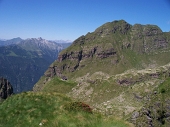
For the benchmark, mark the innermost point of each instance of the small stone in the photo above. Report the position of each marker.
(135, 115)
(109, 107)
(105, 104)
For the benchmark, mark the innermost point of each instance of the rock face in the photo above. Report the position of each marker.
(6, 88)
(75, 58)
(149, 38)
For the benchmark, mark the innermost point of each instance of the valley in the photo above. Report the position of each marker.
(24, 62)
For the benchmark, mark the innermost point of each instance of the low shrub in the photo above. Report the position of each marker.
(78, 106)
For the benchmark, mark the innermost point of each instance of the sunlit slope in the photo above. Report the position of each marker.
(113, 48)
(50, 110)
(114, 69)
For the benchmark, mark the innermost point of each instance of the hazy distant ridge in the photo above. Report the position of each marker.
(24, 61)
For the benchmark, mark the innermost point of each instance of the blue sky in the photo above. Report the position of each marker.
(69, 19)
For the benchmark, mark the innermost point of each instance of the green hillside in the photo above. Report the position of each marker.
(50, 109)
(113, 48)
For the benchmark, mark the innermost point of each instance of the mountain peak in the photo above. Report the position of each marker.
(35, 38)
(120, 26)
(110, 42)
(40, 38)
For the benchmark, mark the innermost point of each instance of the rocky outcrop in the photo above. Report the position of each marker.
(121, 27)
(154, 115)
(73, 55)
(97, 51)
(148, 38)
(74, 58)
(132, 77)
(6, 88)
(105, 53)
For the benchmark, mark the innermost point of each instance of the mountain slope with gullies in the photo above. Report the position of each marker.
(113, 48)
(119, 70)
(25, 62)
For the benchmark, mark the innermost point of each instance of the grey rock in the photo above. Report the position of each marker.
(135, 115)
(6, 88)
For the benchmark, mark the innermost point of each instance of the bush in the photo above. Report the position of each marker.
(78, 106)
(162, 90)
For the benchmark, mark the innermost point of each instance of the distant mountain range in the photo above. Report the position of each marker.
(4, 42)
(62, 41)
(22, 62)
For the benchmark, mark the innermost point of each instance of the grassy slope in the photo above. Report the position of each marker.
(32, 109)
(58, 85)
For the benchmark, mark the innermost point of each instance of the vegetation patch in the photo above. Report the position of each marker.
(58, 85)
(78, 106)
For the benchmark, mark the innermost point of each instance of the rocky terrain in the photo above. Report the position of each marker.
(119, 69)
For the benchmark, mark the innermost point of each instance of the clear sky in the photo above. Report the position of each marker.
(69, 19)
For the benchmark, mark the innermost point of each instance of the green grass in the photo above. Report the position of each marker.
(30, 109)
(59, 86)
(12, 54)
